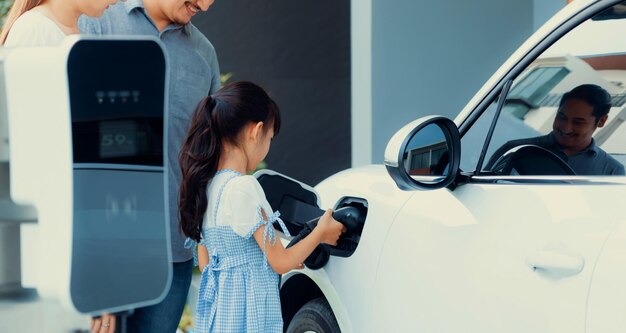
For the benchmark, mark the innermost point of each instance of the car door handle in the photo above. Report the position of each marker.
(556, 264)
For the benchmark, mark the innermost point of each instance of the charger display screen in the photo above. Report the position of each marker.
(137, 141)
(117, 102)
(120, 138)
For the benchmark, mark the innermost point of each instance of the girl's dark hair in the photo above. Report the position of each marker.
(218, 118)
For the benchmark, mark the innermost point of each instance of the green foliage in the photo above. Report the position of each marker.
(186, 321)
(223, 77)
(5, 5)
(262, 165)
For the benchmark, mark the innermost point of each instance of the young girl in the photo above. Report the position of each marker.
(47, 22)
(225, 211)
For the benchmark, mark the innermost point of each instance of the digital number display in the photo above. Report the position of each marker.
(118, 138)
(137, 141)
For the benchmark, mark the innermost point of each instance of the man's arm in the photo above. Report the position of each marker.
(216, 83)
(619, 170)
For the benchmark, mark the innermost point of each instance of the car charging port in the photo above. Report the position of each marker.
(299, 209)
(352, 213)
(356, 219)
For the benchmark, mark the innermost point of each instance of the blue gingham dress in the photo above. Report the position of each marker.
(238, 289)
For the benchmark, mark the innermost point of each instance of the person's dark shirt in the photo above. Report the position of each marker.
(589, 161)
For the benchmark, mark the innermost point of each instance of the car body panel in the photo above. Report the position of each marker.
(474, 262)
(490, 252)
(473, 265)
(606, 305)
(382, 196)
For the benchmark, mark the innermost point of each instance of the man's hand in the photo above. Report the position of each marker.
(103, 324)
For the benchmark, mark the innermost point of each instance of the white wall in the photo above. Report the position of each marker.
(361, 120)
(544, 10)
(412, 58)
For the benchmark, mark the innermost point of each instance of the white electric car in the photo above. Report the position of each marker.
(443, 243)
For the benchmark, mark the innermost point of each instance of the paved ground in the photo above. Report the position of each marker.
(26, 312)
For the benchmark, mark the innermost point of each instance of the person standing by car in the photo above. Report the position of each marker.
(226, 211)
(193, 73)
(581, 111)
(46, 22)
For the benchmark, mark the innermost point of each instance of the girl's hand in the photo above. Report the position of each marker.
(283, 260)
(329, 228)
(203, 257)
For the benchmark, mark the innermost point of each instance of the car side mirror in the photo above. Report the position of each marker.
(424, 154)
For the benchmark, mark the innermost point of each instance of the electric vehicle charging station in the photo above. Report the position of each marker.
(84, 154)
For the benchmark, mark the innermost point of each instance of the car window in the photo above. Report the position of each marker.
(474, 139)
(533, 112)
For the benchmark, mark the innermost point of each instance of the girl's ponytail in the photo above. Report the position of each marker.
(198, 159)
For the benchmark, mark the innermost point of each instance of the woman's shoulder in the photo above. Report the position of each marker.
(33, 28)
(32, 15)
(35, 20)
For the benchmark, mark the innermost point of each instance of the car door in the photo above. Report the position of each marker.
(511, 252)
